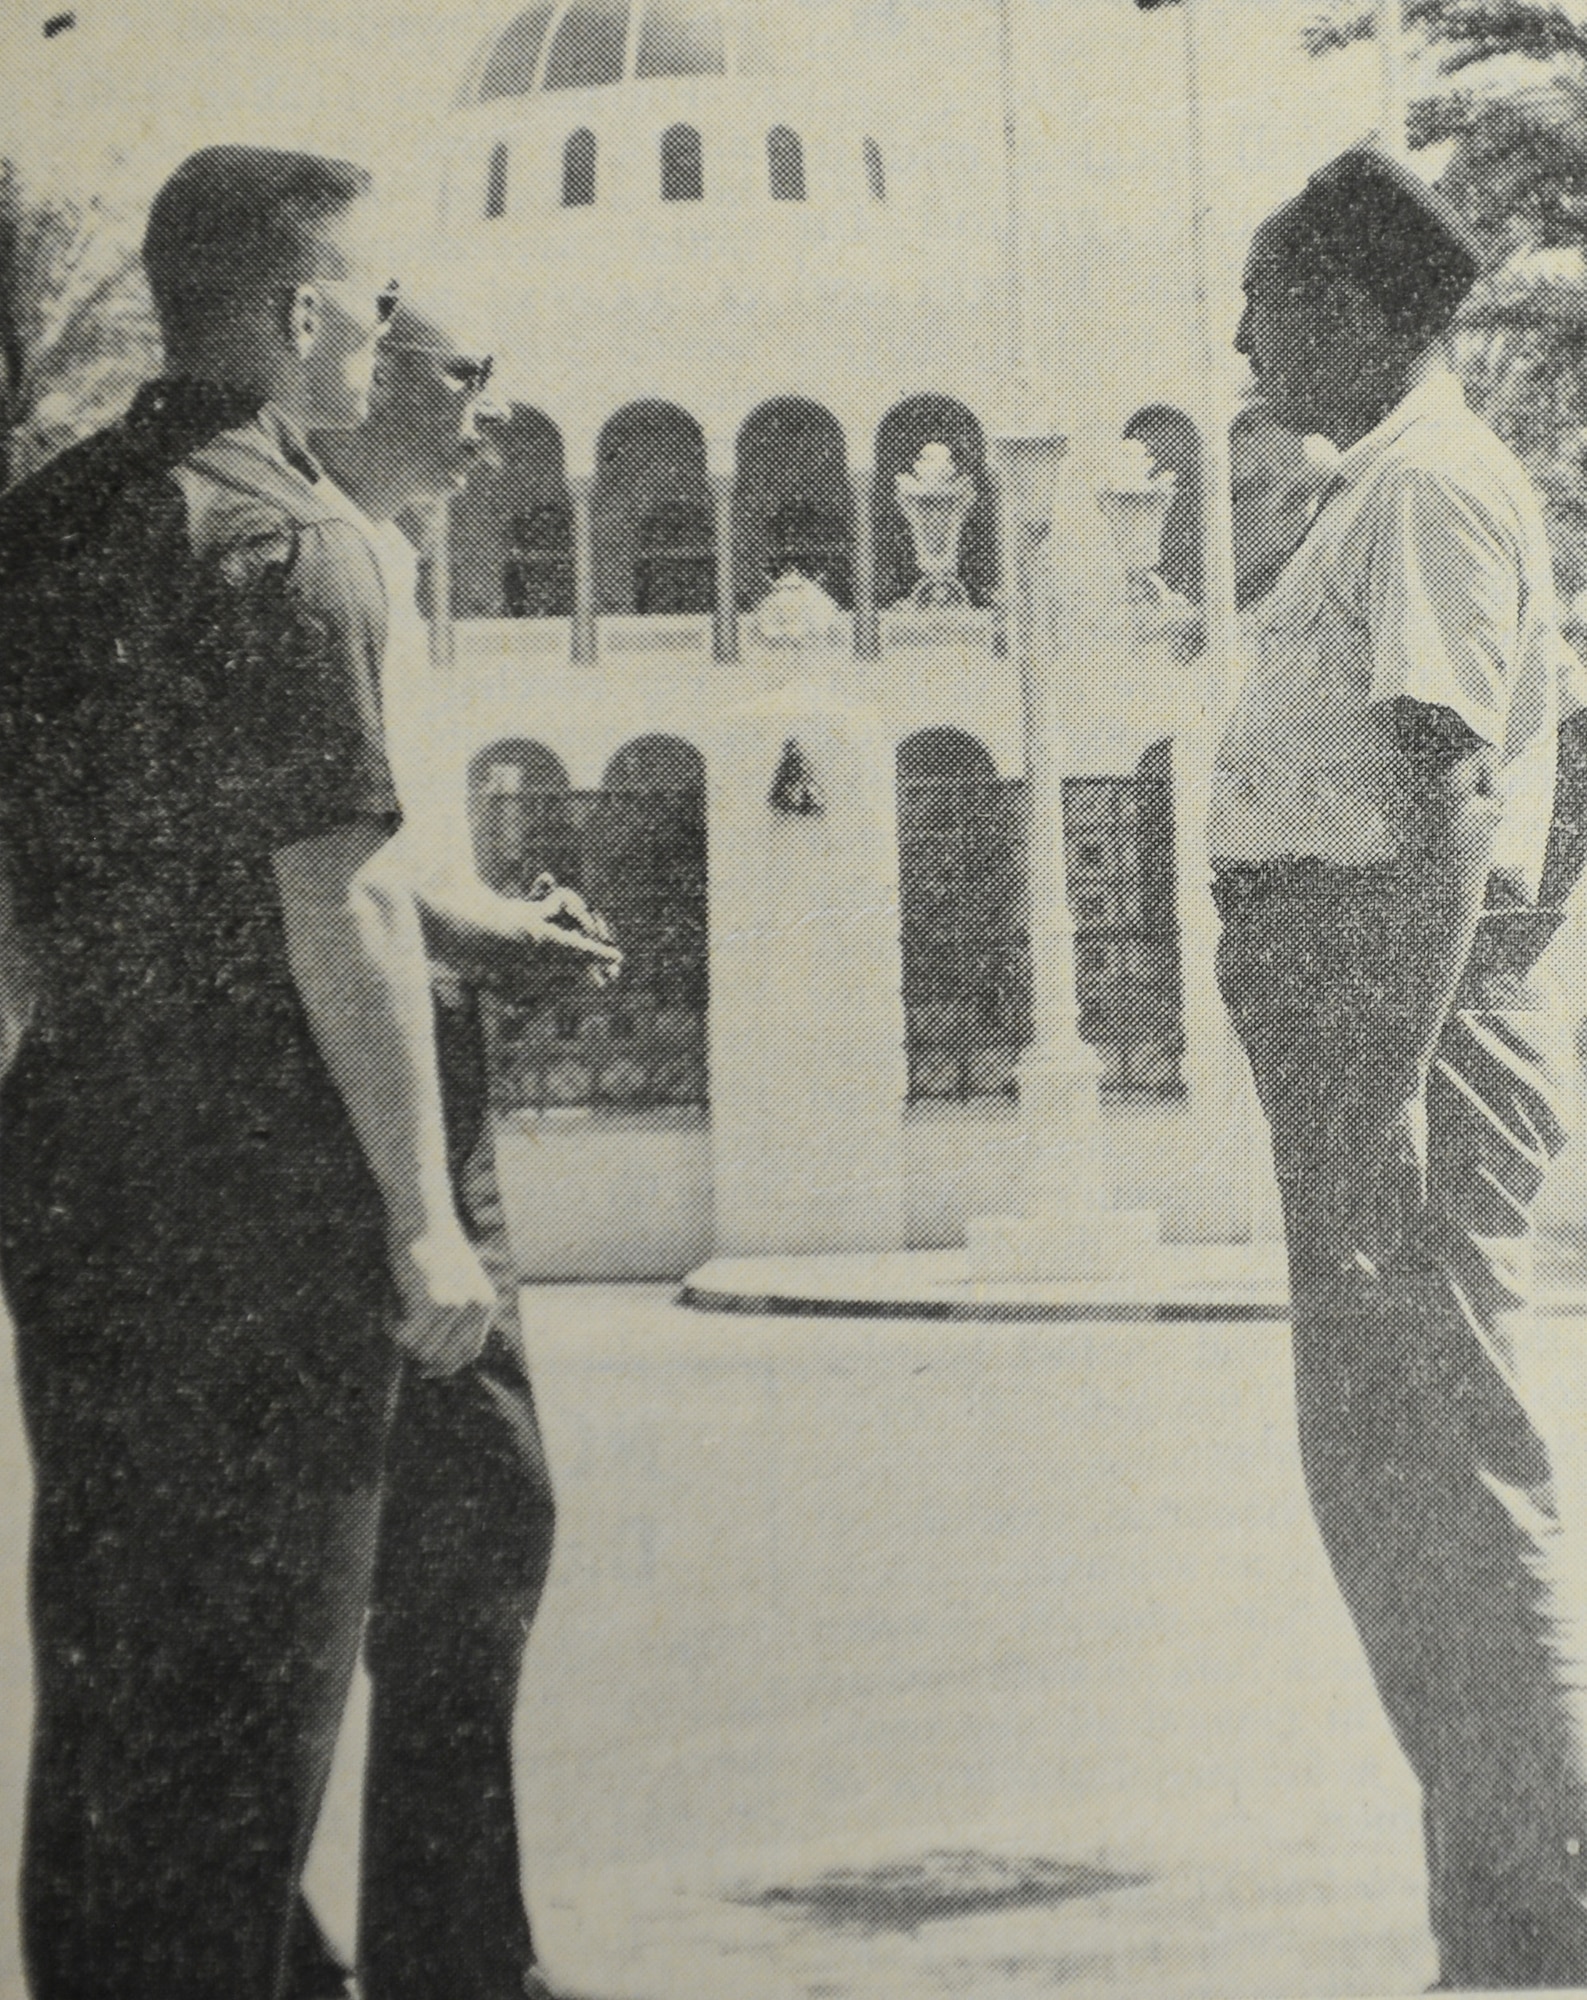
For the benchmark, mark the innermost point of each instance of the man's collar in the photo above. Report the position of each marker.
(1436, 392)
(290, 443)
(179, 414)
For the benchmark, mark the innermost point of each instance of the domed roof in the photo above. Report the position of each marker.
(586, 44)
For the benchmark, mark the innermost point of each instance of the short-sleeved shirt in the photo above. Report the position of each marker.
(190, 643)
(1426, 575)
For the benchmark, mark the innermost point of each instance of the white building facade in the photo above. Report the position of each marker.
(739, 281)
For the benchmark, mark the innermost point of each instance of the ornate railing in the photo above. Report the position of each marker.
(966, 939)
(640, 858)
(966, 945)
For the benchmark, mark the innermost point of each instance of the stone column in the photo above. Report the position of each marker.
(723, 487)
(1070, 628)
(867, 619)
(581, 491)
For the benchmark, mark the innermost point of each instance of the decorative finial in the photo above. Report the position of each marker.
(795, 612)
(936, 500)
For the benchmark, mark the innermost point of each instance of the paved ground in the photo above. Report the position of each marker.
(891, 1659)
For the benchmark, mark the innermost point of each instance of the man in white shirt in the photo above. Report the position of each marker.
(467, 1513)
(1381, 817)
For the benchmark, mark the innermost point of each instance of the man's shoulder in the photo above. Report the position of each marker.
(254, 517)
(1456, 455)
(59, 509)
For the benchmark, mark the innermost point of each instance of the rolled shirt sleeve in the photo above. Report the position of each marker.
(313, 611)
(1443, 585)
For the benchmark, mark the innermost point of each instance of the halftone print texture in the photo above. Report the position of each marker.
(754, 689)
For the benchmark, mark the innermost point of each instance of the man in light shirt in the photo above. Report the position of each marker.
(1387, 876)
(467, 1514)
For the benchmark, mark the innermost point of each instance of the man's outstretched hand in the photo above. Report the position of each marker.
(541, 942)
(559, 919)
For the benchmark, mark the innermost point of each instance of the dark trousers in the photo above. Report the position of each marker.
(205, 1381)
(1406, 1188)
(466, 1528)
(194, 1634)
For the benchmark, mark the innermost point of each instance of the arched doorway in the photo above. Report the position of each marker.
(512, 532)
(1175, 445)
(901, 437)
(965, 930)
(654, 528)
(793, 507)
(636, 849)
(517, 794)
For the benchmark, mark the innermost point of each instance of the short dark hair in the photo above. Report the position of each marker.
(1367, 218)
(233, 222)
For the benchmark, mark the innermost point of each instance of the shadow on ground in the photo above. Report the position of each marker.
(946, 1883)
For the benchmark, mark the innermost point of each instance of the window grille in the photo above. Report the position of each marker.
(639, 855)
(537, 563)
(966, 948)
(675, 559)
(578, 169)
(785, 164)
(963, 858)
(682, 164)
(1119, 843)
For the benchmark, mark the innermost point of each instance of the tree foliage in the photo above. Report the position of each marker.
(1501, 108)
(77, 331)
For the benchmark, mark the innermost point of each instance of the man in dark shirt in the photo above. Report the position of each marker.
(221, 1149)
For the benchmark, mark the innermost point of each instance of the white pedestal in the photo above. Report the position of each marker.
(806, 1020)
(1067, 1227)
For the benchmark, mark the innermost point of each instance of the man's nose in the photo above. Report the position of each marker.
(1242, 334)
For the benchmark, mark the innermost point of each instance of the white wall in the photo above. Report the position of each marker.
(605, 1194)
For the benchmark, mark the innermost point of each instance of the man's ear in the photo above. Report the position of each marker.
(305, 313)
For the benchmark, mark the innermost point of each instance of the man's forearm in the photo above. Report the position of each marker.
(359, 962)
(1442, 877)
(18, 975)
(1565, 857)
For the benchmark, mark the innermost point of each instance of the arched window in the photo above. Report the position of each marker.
(510, 72)
(793, 505)
(578, 169)
(587, 48)
(653, 521)
(496, 182)
(1175, 445)
(517, 812)
(682, 164)
(785, 164)
(875, 172)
